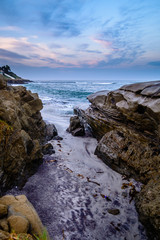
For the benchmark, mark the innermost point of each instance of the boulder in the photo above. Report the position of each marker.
(76, 127)
(22, 217)
(50, 131)
(126, 123)
(48, 149)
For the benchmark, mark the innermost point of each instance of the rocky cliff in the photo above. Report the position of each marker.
(22, 132)
(127, 124)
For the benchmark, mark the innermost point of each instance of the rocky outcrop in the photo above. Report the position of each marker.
(76, 127)
(127, 124)
(22, 132)
(20, 219)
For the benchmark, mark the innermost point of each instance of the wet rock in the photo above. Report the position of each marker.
(76, 127)
(51, 132)
(57, 138)
(78, 132)
(113, 211)
(48, 149)
(3, 210)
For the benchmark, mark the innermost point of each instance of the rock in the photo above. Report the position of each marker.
(22, 132)
(74, 123)
(3, 210)
(51, 131)
(18, 224)
(4, 225)
(19, 206)
(76, 127)
(3, 83)
(78, 132)
(57, 138)
(148, 205)
(48, 149)
(113, 211)
(4, 235)
(127, 124)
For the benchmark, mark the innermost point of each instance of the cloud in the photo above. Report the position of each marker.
(8, 54)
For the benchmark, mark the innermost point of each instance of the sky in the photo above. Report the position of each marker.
(81, 39)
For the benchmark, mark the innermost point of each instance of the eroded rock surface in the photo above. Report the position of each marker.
(127, 124)
(22, 131)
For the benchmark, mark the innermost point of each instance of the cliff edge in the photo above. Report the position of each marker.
(127, 124)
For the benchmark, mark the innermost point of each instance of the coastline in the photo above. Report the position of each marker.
(74, 167)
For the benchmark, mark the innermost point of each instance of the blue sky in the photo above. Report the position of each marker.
(81, 39)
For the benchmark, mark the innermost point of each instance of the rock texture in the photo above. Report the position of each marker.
(127, 124)
(22, 132)
(21, 218)
(76, 127)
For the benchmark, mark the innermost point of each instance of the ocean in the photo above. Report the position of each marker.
(61, 97)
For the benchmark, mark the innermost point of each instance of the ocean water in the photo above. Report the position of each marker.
(60, 97)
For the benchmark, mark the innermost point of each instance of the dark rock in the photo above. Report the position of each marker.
(3, 83)
(113, 211)
(57, 138)
(76, 127)
(78, 132)
(51, 131)
(48, 149)
(74, 123)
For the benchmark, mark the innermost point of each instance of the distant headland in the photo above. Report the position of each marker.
(11, 77)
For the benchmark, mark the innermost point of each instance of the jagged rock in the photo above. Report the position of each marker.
(127, 124)
(51, 132)
(22, 131)
(48, 149)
